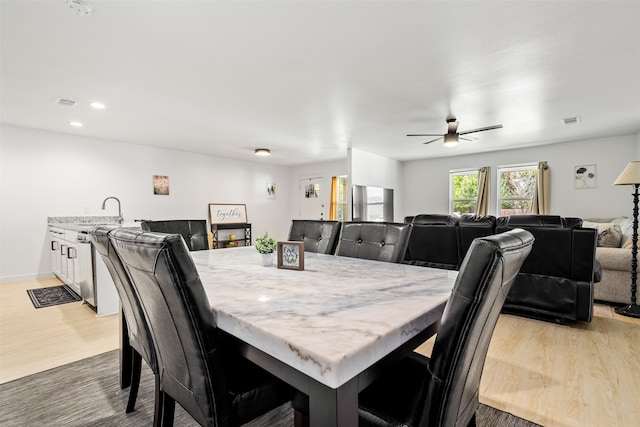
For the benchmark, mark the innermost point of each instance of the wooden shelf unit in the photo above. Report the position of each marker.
(245, 230)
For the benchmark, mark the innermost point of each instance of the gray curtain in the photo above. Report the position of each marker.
(482, 203)
(540, 205)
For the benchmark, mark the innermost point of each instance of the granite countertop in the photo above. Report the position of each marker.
(84, 223)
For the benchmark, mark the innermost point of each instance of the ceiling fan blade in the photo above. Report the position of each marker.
(433, 140)
(481, 129)
(424, 134)
(468, 139)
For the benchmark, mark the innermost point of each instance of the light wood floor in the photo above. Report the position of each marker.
(584, 374)
(33, 340)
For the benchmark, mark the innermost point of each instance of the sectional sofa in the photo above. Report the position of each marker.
(555, 283)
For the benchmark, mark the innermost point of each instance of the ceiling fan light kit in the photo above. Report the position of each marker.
(451, 140)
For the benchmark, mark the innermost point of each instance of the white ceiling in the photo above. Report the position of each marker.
(309, 79)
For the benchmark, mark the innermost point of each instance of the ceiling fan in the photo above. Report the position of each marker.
(452, 137)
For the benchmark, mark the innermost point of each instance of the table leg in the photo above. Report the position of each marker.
(334, 407)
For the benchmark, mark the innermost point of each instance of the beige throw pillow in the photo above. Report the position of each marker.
(610, 237)
(600, 226)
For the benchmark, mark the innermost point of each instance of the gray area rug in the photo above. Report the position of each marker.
(87, 393)
(52, 295)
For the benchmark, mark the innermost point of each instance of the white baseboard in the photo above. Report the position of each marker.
(25, 277)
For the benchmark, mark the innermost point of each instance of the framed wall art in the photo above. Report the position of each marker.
(161, 185)
(291, 255)
(227, 214)
(585, 176)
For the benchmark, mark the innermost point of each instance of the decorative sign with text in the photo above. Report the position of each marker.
(227, 214)
(291, 255)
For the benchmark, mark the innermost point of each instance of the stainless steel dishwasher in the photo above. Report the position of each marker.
(84, 274)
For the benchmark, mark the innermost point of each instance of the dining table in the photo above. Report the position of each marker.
(328, 330)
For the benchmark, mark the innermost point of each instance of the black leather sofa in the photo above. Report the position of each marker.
(434, 228)
(555, 282)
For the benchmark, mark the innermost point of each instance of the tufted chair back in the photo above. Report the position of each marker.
(318, 236)
(380, 241)
(193, 231)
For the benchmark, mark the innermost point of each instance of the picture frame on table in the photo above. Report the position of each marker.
(224, 213)
(291, 255)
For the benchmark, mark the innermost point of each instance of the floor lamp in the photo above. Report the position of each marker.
(631, 176)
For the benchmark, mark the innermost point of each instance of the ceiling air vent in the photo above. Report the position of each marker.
(66, 102)
(571, 120)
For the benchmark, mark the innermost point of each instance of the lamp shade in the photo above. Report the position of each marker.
(630, 175)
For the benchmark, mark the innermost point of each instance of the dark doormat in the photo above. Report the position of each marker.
(54, 295)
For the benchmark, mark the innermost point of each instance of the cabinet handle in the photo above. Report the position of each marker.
(75, 252)
(63, 250)
(55, 245)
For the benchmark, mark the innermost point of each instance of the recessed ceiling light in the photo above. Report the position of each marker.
(98, 105)
(76, 124)
(262, 152)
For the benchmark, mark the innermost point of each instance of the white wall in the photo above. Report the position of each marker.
(376, 171)
(426, 182)
(52, 174)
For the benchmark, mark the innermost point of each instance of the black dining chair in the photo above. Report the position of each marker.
(139, 337)
(318, 236)
(380, 241)
(197, 369)
(193, 231)
(442, 391)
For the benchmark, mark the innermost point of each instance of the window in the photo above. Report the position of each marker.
(516, 187)
(464, 191)
(338, 209)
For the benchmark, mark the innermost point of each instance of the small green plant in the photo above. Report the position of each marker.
(266, 244)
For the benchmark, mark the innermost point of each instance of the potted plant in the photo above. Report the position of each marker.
(267, 247)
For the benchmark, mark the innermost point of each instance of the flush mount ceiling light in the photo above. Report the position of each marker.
(76, 124)
(98, 105)
(80, 7)
(262, 152)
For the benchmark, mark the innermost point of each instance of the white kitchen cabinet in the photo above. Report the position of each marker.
(73, 262)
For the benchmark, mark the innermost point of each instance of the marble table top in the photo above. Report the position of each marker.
(330, 321)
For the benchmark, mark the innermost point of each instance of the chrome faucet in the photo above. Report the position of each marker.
(120, 218)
